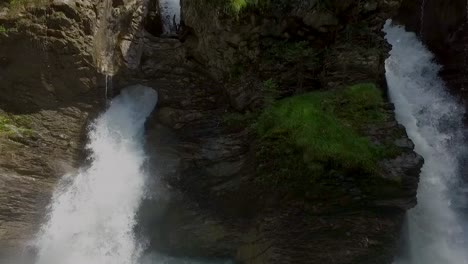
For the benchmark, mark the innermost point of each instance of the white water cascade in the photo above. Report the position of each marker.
(92, 214)
(436, 232)
(170, 15)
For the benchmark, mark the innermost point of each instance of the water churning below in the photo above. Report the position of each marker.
(92, 214)
(434, 121)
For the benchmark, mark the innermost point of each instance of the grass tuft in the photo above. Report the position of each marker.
(237, 6)
(303, 138)
(17, 6)
(12, 125)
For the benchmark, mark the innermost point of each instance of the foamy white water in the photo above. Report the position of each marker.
(170, 14)
(92, 214)
(434, 121)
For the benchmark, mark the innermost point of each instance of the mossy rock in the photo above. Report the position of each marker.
(14, 125)
(307, 140)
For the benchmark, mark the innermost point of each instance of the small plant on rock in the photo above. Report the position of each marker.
(3, 29)
(305, 137)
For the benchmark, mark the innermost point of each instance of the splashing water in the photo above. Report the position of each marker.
(93, 212)
(433, 120)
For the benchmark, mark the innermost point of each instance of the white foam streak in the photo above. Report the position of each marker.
(93, 213)
(433, 120)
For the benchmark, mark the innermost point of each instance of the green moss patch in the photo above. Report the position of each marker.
(14, 125)
(307, 138)
(233, 7)
(25, 3)
(236, 6)
(17, 6)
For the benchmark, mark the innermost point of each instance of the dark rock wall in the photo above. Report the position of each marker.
(441, 19)
(35, 52)
(221, 209)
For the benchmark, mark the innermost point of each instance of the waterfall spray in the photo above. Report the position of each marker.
(93, 213)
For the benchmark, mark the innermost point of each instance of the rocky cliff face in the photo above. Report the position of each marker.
(48, 82)
(222, 64)
(222, 208)
(52, 60)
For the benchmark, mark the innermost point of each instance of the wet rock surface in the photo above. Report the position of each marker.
(48, 81)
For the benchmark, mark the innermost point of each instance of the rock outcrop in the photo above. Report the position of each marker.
(53, 57)
(47, 94)
(219, 67)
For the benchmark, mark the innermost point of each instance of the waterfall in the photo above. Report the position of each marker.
(434, 121)
(92, 214)
(170, 15)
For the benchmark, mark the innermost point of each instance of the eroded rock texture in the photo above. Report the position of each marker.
(53, 58)
(220, 208)
(48, 80)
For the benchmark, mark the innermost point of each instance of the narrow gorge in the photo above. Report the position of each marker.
(233, 131)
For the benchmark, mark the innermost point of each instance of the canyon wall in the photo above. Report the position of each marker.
(223, 65)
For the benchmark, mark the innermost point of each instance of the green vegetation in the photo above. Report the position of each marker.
(237, 6)
(305, 138)
(3, 29)
(233, 7)
(16, 6)
(25, 3)
(11, 125)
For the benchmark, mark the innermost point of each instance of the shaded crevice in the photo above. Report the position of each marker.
(153, 22)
